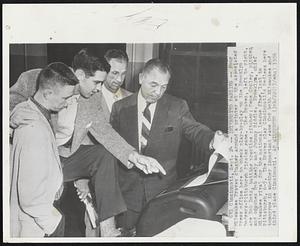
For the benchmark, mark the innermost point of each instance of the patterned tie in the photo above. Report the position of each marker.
(146, 126)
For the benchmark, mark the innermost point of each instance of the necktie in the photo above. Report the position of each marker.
(146, 126)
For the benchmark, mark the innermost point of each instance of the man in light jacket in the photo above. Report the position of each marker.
(36, 174)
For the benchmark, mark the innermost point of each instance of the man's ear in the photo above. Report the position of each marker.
(47, 93)
(80, 74)
(140, 78)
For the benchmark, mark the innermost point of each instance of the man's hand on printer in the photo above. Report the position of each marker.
(220, 144)
(145, 163)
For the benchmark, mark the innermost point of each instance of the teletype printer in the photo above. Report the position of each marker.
(186, 200)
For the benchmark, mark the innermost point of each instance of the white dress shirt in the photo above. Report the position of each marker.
(141, 103)
(110, 97)
(66, 121)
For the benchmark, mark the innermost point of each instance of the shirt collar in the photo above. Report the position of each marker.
(110, 94)
(73, 98)
(142, 100)
(43, 110)
(77, 90)
(142, 104)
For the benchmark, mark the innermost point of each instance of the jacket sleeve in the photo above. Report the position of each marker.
(196, 132)
(33, 190)
(106, 135)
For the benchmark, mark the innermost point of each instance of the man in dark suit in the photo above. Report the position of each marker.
(154, 123)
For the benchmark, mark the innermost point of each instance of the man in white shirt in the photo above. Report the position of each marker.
(111, 89)
(111, 92)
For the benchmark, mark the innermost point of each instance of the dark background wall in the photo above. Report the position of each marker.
(24, 57)
(28, 56)
(199, 75)
(65, 52)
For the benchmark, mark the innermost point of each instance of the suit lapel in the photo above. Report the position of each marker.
(159, 118)
(104, 107)
(80, 122)
(132, 122)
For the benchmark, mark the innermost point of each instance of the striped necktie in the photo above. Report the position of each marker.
(146, 126)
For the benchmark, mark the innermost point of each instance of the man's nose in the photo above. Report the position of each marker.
(98, 87)
(157, 90)
(119, 78)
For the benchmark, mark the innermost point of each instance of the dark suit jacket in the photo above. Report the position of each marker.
(172, 120)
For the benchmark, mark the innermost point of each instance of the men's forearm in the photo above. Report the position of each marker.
(205, 139)
(200, 134)
(195, 131)
(113, 142)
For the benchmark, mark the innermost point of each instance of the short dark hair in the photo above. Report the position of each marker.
(56, 73)
(116, 54)
(89, 62)
(156, 63)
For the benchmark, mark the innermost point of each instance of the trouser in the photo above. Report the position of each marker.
(129, 218)
(96, 163)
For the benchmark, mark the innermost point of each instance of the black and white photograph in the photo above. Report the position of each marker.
(130, 125)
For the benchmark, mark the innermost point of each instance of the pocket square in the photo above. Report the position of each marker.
(88, 125)
(169, 129)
